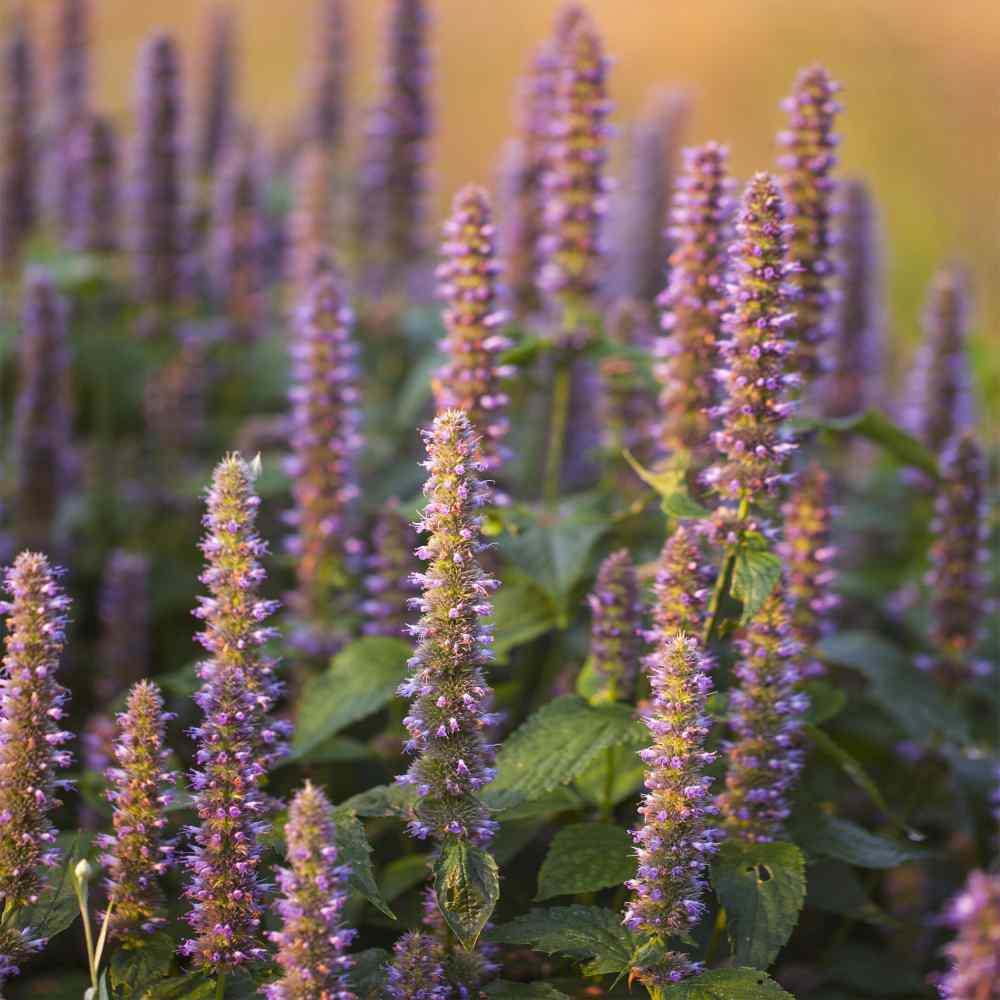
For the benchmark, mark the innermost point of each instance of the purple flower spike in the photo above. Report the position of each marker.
(42, 442)
(328, 76)
(682, 586)
(676, 841)
(755, 378)
(694, 301)
(576, 189)
(956, 580)
(766, 717)
(310, 223)
(389, 582)
(807, 557)
(136, 855)
(852, 382)
(807, 160)
(18, 168)
(217, 111)
(471, 378)
(124, 609)
(940, 388)
(157, 189)
(417, 970)
(94, 217)
(313, 941)
(237, 740)
(614, 626)
(325, 439)
(32, 704)
(15, 946)
(975, 953)
(450, 714)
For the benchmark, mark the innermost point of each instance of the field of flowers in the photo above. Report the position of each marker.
(551, 604)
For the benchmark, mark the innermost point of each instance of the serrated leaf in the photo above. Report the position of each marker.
(559, 799)
(522, 611)
(585, 857)
(833, 837)
(762, 887)
(555, 745)
(133, 970)
(755, 574)
(501, 989)
(382, 800)
(727, 984)
(354, 850)
(467, 886)
(361, 679)
(833, 887)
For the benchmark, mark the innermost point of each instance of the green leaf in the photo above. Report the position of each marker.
(877, 427)
(585, 857)
(762, 887)
(833, 837)
(755, 574)
(501, 989)
(402, 874)
(467, 886)
(727, 984)
(834, 887)
(555, 745)
(194, 986)
(102, 987)
(670, 482)
(627, 773)
(366, 974)
(522, 611)
(133, 970)
(561, 799)
(513, 837)
(354, 850)
(362, 678)
(382, 800)
(825, 701)
(57, 908)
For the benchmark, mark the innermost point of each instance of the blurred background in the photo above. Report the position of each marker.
(921, 89)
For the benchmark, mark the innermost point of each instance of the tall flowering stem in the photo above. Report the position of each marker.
(326, 86)
(93, 221)
(389, 580)
(766, 712)
(237, 741)
(470, 379)
(694, 301)
(676, 840)
(614, 628)
(450, 715)
(807, 161)
(217, 111)
(313, 941)
(136, 854)
(325, 438)
(682, 585)
(125, 614)
(974, 954)
(417, 970)
(310, 224)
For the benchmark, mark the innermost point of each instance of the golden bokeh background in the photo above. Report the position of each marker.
(921, 87)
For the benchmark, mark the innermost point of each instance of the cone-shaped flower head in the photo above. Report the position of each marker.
(326, 85)
(94, 218)
(18, 149)
(42, 414)
(614, 626)
(681, 589)
(576, 189)
(417, 971)
(124, 610)
(313, 941)
(807, 161)
(855, 346)
(470, 379)
(217, 104)
(157, 187)
(325, 438)
(675, 843)
(31, 706)
(310, 223)
(236, 740)
(956, 581)
(975, 952)
(806, 555)
(15, 946)
(939, 395)
(136, 855)
(694, 300)
(450, 713)
(755, 378)
(389, 580)
(766, 711)
(238, 244)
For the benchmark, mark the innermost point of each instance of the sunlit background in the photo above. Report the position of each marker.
(922, 89)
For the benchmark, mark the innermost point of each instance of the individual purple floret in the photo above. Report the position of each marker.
(389, 580)
(217, 100)
(310, 222)
(157, 187)
(766, 712)
(854, 350)
(806, 555)
(32, 704)
(974, 954)
(325, 438)
(326, 85)
(694, 301)
(575, 186)
(682, 585)
(616, 617)
(956, 581)
(939, 402)
(675, 843)
(42, 431)
(450, 714)
(136, 854)
(807, 160)
(18, 165)
(124, 609)
(237, 740)
(756, 376)
(313, 941)
(94, 218)
(471, 378)
(416, 971)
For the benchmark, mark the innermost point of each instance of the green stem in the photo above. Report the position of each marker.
(558, 421)
(716, 938)
(88, 933)
(220, 987)
(725, 578)
(607, 807)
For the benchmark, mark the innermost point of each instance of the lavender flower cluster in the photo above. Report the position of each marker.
(614, 628)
